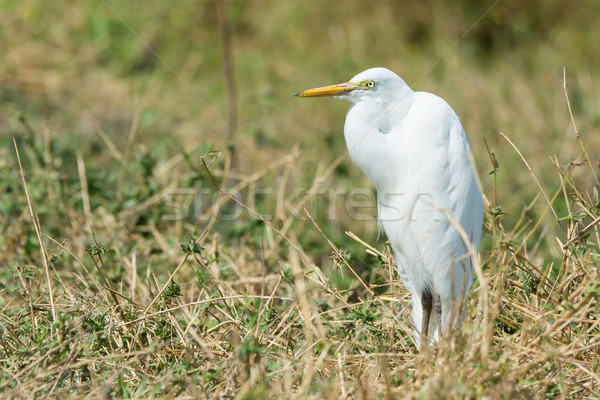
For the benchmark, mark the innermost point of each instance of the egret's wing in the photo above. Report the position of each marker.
(437, 178)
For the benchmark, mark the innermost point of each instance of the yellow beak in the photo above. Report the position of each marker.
(333, 90)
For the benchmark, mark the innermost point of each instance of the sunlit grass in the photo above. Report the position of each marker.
(157, 280)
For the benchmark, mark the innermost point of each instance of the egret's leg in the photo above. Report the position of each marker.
(438, 316)
(417, 315)
(427, 305)
(453, 314)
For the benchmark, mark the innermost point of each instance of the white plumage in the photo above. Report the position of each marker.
(413, 148)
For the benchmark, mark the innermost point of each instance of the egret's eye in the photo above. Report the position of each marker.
(370, 84)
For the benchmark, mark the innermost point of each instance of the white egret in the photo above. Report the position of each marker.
(413, 148)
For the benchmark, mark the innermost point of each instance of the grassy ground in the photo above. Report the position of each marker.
(137, 260)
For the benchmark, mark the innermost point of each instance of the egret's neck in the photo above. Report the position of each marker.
(370, 125)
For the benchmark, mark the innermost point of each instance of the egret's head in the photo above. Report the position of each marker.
(376, 83)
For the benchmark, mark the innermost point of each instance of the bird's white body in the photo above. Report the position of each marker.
(413, 148)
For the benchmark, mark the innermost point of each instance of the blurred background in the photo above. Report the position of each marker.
(126, 115)
(133, 96)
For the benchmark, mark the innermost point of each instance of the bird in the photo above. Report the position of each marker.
(412, 146)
